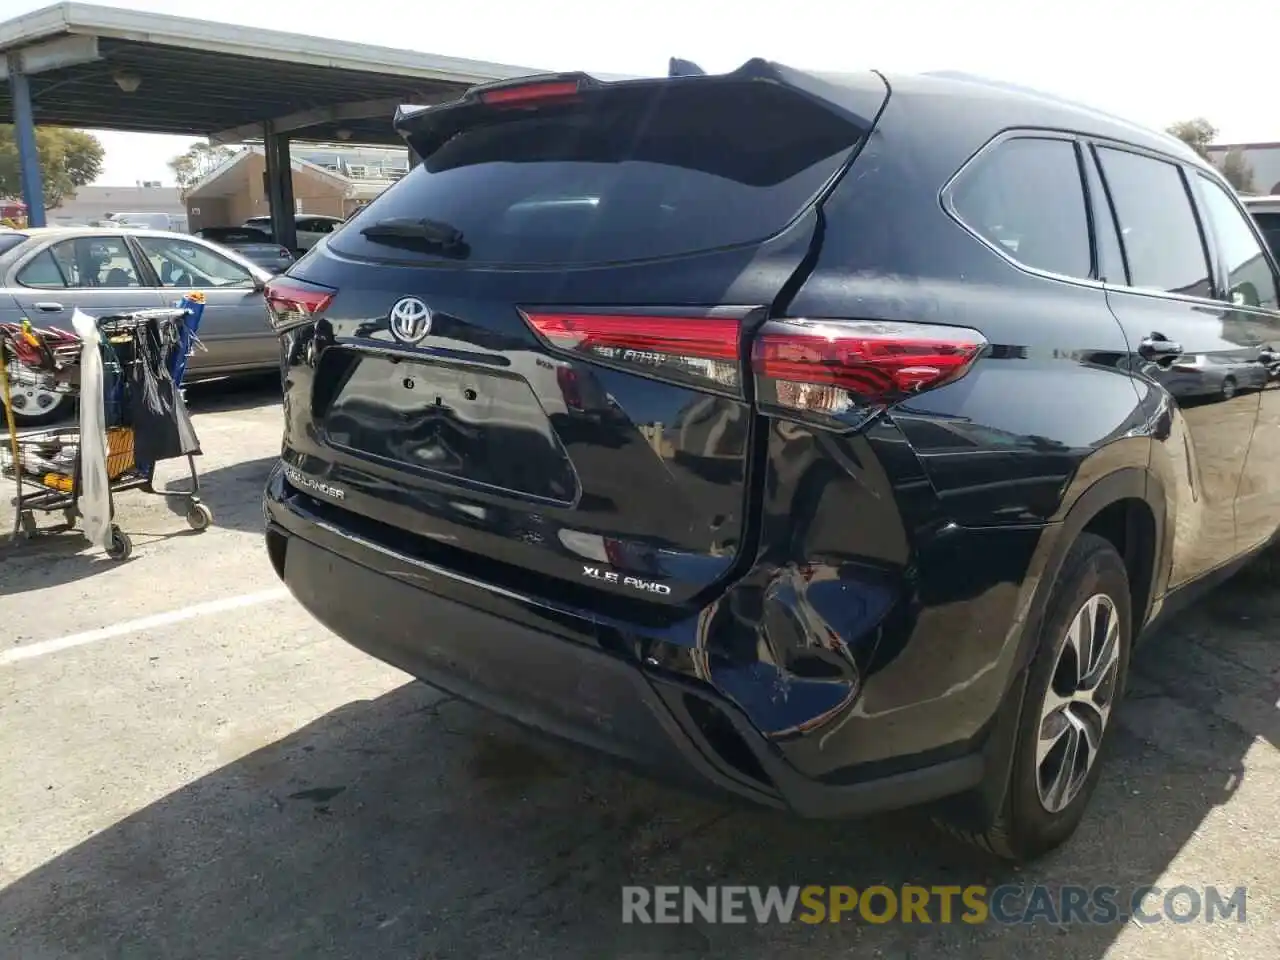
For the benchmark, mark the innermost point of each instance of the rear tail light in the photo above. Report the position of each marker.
(698, 351)
(294, 303)
(851, 370)
(527, 94)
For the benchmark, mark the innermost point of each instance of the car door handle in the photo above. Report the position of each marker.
(48, 306)
(1156, 347)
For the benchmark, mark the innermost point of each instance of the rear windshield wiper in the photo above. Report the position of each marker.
(435, 234)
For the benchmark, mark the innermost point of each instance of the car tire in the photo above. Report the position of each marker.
(1228, 388)
(1030, 823)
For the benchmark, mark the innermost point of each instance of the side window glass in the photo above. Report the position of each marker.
(1158, 227)
(1110, 259)
(65, 255)
(1269, 224)
(181, 263)
(1024, 196)
(105, 262)
(42, 273)
(1250, 282)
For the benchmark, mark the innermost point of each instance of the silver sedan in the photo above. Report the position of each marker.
(47, 273)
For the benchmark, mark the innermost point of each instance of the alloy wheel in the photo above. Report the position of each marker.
(1078, 702)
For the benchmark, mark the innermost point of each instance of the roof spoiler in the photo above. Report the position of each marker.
(684, 68)
(426, 129)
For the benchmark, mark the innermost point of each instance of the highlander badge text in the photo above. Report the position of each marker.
(316, 486)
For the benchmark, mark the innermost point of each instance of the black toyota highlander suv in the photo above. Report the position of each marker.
(825, 438)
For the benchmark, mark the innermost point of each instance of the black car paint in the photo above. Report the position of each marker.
(851, 631)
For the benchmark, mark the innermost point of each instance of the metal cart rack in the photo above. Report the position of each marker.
(45, 464)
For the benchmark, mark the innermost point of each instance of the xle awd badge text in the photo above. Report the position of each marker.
(611, 576)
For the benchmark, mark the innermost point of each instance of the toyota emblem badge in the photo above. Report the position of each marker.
(410, 320)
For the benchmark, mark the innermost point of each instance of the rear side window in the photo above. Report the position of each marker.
(1249, 279)
(624, 174)
(42, 272)
(1024, 197)
(1158, 226)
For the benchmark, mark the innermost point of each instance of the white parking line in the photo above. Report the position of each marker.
(45, 647)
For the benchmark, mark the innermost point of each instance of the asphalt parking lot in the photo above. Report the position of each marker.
(195, 768)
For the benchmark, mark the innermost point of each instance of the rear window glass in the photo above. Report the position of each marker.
(235, 236)
(627, 174)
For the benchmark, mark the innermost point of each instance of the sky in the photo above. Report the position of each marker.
(1152, 61)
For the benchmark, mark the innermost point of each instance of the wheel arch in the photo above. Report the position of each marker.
(1127, 507)
(1127, 504)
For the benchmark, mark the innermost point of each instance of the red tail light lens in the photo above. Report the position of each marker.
(530, 93)
(699, 351)
(854, 369)
(293, 303)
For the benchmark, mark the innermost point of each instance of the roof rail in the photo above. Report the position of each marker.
(1055, 98)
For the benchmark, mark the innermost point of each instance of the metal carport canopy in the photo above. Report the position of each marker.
(83, 65)
(201, 78)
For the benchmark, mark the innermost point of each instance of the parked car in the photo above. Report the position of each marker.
(311, 228)
(1266, 211)
(1212, 377)
(150, 220)
(934, 495)
(251, 243)
(47, 273)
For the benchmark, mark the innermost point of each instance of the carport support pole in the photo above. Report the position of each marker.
(24, 128)
(284, 229)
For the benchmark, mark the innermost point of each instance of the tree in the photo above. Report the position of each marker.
(197, 163)
(1237, 171)
(1199, 134)
(69, 159)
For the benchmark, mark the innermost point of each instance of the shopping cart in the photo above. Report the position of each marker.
(46, 464)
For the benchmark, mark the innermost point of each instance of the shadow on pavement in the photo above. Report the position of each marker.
(233, 393)
(409, 827)
(58, 555)
(233, 493)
